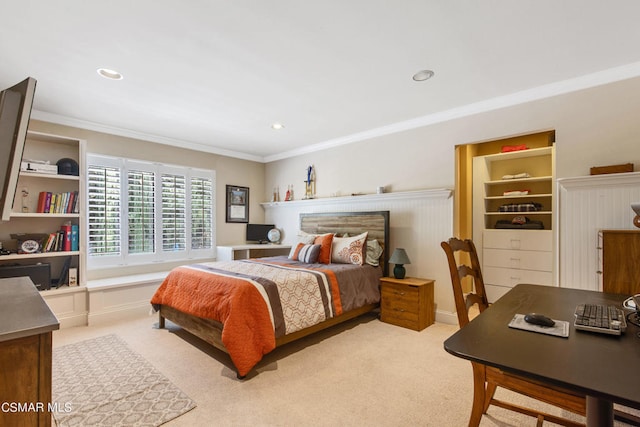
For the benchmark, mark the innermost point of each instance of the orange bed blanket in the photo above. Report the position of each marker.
(255, 301)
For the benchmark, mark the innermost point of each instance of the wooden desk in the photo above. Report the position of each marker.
(605, 368)
(233, 252)
(26, 325)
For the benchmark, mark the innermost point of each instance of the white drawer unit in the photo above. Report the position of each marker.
(499, 280)
(510, 277)
(510, 257)
(513, 259)
(525, 240)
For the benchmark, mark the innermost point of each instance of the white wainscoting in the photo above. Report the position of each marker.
(69, 304)
(587, 205)
(120, 297)
(419, 221)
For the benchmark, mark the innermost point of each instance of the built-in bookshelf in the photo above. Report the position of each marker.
(513, 217)
(52, 229)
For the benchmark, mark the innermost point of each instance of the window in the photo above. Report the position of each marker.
(141, 212)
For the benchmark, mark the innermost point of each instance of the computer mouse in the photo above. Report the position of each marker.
(538, 319)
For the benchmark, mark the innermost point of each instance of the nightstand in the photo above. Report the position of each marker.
(407, 302)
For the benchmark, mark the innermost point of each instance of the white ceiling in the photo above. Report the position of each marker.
(213, 75)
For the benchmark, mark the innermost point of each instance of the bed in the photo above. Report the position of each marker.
(247, 308)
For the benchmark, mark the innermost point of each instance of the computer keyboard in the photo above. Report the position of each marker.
(605, 319)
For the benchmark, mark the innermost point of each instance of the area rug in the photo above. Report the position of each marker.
(102, 382)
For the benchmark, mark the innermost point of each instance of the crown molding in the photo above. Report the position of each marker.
(600, 78)
(587, 81)
(128, 133)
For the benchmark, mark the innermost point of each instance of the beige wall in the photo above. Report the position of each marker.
(594, 127)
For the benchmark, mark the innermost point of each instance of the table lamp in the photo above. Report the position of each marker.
(636, 208)
(399, 258)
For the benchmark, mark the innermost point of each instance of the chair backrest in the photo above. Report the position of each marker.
(459, 271)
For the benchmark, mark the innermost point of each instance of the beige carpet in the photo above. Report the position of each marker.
(364, 372)
(102, 382)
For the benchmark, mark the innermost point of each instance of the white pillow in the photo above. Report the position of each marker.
(349, 250)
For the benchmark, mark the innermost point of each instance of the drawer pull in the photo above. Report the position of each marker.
(399, 309)
(399, 293)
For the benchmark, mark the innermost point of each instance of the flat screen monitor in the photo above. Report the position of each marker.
(15, 111)
(258, 232)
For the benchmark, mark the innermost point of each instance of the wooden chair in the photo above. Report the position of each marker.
(486, 378)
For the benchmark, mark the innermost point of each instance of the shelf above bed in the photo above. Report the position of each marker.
(440, 193)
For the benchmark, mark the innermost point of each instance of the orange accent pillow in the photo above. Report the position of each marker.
(296, 251)
(324, 240)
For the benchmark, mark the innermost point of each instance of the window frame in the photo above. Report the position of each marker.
(159, 255)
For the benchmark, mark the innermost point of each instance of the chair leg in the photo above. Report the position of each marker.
(491, 390)
(479, 393)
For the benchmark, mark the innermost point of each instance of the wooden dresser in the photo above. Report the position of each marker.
(621, 261)
(407, 302)
(26, 327)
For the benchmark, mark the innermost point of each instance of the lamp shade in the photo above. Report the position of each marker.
(399, 256)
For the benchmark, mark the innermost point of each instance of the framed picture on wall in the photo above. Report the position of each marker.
(237, 204)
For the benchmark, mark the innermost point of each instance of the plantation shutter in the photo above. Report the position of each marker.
(174, 234)
(104, 210)
(201, 213)
(142, 212)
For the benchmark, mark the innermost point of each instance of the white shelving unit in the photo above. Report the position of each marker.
(25, 218)
(489, 187)
(512, 256)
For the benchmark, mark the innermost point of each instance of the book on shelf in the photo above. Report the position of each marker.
(66, 239)
(75, 243)
(58, 203)
(50, 242)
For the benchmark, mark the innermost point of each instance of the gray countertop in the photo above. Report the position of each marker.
(23, 311)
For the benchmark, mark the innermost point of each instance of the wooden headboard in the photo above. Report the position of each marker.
(353, 223)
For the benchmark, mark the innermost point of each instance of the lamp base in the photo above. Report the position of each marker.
(399, 271)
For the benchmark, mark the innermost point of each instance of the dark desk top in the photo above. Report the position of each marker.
(598, 365)
(23, 311)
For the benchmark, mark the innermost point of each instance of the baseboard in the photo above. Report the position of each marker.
(127, 311)
(72, 320)
(447, 317)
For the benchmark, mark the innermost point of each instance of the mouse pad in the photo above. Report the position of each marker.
(560, 329)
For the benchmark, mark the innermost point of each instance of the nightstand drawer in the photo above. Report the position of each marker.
(400, 297)
(407, 302)
(399, 317)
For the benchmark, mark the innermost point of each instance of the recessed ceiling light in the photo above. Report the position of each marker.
(109, 74)
(277, 126)
(423, 75)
